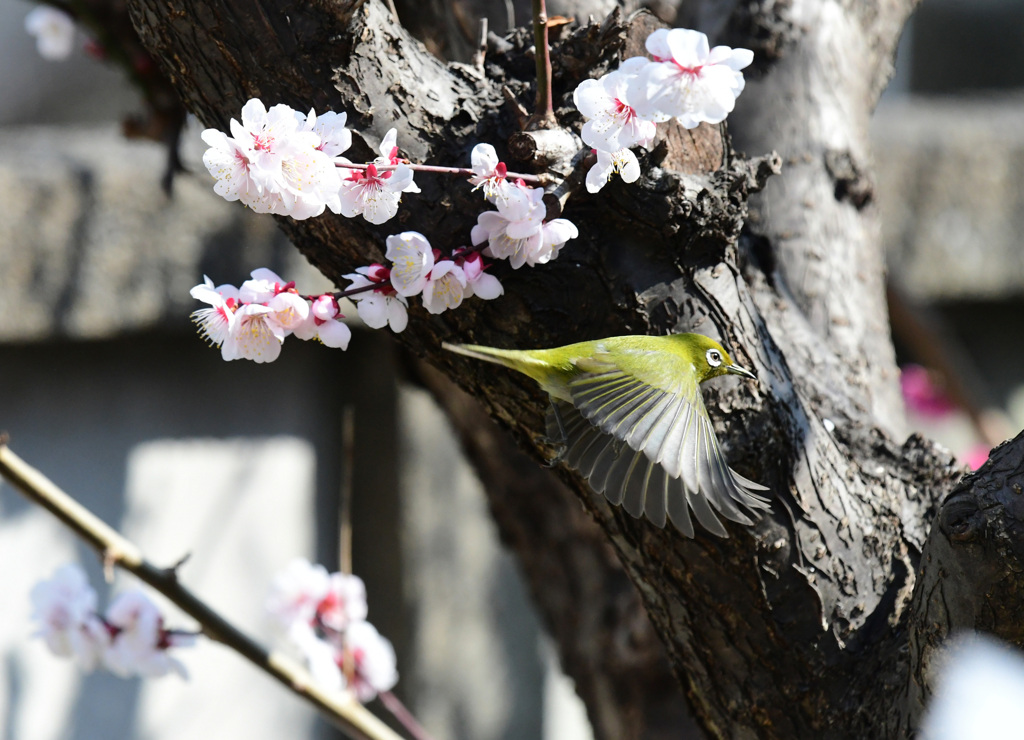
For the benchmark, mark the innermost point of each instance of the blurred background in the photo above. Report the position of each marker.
(106, 387)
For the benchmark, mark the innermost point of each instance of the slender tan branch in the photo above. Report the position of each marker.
(342, 710)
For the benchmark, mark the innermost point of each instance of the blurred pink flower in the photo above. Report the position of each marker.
(922, 395)
(976, 455)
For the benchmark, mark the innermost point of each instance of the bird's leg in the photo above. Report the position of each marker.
(561, 443)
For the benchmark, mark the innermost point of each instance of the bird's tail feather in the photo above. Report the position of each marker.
(508, 358)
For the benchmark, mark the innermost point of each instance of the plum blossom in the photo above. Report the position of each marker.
(65, 608)
(613, 124)
(513, 232)
(382, 306)
(375, 194)
(255, 335)
(412, 260)
(216, 322)
(359, 659)
(622, 161)
(228, 161)
(324, 616)
(287, 308)
(344, 604)
(139, 646)
(478, 282)
(488, 172)
(273, 166)
(54, 31)
(445, 287)
(517, 231)
(324, 323)
(922, 394)
(330, 127)
(269, 137)
(554, 235)
(373, 661)
(296, 592)
(688, 81)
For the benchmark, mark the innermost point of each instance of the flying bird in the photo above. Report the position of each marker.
(629, 413)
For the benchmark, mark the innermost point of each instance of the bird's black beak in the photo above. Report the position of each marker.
(737, 370)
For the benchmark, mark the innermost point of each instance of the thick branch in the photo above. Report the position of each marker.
(971, 571)
(819, 221)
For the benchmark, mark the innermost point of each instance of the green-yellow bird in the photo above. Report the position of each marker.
(631, 417)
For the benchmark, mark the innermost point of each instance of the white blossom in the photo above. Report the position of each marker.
(344, 603)
(273, 166)
(688, 81)
(374, 194)
(65, 609)
(324, 323)
(216, 322)
(623, 161)
(412, 260)
(445, 287)
(479, 282)
(330, 127)
(383, 305)
(375, 665)
(54, 31)
(613, 124)
(296, 592)
(488, 172)
(977, 691)
(255, 335)
(517, 231)
(140, 646)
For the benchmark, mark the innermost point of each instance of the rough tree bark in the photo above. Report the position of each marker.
(819, 621)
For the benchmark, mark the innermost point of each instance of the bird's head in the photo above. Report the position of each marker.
(711, 359)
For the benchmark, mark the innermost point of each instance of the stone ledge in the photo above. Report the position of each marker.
(951, 189)
(90, 246)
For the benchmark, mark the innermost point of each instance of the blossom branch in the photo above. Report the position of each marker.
(462, 171)
(341, 709)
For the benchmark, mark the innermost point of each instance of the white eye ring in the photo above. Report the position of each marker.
(714, 357)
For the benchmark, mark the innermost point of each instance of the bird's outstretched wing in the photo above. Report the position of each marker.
(647, 443)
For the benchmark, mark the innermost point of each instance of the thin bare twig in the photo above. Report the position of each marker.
(481, 50)
(544, 109)
(342, 710)
(463, 171)
(348, 457)
(403, 715)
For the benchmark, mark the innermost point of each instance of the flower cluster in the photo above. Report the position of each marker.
(685, 80)
(517, 231)
(324, 616)
(129, 640)
(282, 161)
(442, 283)
(251, 322)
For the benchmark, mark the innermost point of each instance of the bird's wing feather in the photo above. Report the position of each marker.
(646, 440)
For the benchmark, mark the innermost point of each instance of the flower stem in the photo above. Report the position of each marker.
(462, 171)
(403, 715)
(544, 109)
(341, 709)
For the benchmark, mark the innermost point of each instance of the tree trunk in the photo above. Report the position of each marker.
(821, 619)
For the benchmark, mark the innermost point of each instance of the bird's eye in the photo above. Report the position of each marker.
(714, 357)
